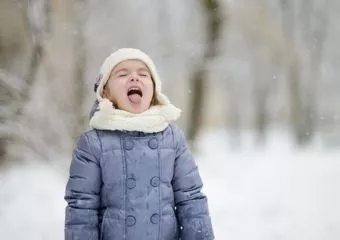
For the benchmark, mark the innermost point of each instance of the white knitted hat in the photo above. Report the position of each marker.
(128, 54)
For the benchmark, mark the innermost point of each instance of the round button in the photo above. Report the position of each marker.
(153, 143)
(130, 221)
(155, 181)
(131, 183)
(128, 145)
(155, 218)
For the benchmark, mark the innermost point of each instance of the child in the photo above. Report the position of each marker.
(133, 176)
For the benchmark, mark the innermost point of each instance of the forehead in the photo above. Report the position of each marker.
(131, 64)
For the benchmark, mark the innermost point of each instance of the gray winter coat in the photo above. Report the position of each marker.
(133, 185)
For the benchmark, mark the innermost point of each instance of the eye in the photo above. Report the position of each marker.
(122, 75)
(143, 74)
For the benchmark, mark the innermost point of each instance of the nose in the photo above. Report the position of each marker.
(134, 78)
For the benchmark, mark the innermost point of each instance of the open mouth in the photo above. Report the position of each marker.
(135, 95)
(135, 90)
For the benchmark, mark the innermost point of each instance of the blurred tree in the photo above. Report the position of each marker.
(214, 23)
(305, 36)
(37, 12)
(54, 72)
(10, 89)
(80, 14)
(233, 113)
(265, 49)
(293, 71)
(21, 49)
(61, 83)
(314, 24)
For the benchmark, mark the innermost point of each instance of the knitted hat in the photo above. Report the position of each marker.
(128, 54)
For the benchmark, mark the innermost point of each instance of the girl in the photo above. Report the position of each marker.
(132, 176)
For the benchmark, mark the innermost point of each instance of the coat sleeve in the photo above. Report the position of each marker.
(83, 192)
(191, 204)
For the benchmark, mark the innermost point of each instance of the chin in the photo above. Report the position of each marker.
(134, 108)
(138, 109)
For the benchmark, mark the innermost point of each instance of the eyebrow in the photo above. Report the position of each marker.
(143, 69)
(121, 70)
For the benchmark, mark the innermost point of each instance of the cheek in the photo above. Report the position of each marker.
(116, 86)
(149, 86)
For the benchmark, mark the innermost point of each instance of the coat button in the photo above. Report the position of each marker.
(155, 218)
(130, 221)
(153, 143)
(131, 183)
(155, 181)
(128, 145)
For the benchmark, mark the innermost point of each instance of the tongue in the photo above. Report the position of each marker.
(135, 98)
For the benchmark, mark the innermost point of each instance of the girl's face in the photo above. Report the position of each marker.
(130, 86)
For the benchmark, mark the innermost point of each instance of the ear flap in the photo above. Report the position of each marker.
(96, 84)
(94, 108)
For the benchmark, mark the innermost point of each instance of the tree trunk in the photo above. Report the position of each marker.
(293, 73)
(80, 64)
(19, 58)
(197, 97)
(315, 25)
(303, 88)
(297, 114)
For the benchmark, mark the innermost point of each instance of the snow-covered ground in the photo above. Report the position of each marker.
(274, 194)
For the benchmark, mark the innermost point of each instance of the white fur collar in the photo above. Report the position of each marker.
(155, 119)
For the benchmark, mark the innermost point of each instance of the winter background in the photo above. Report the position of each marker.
(257, 81)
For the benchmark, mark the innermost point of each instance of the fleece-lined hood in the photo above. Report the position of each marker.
(105, 116)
